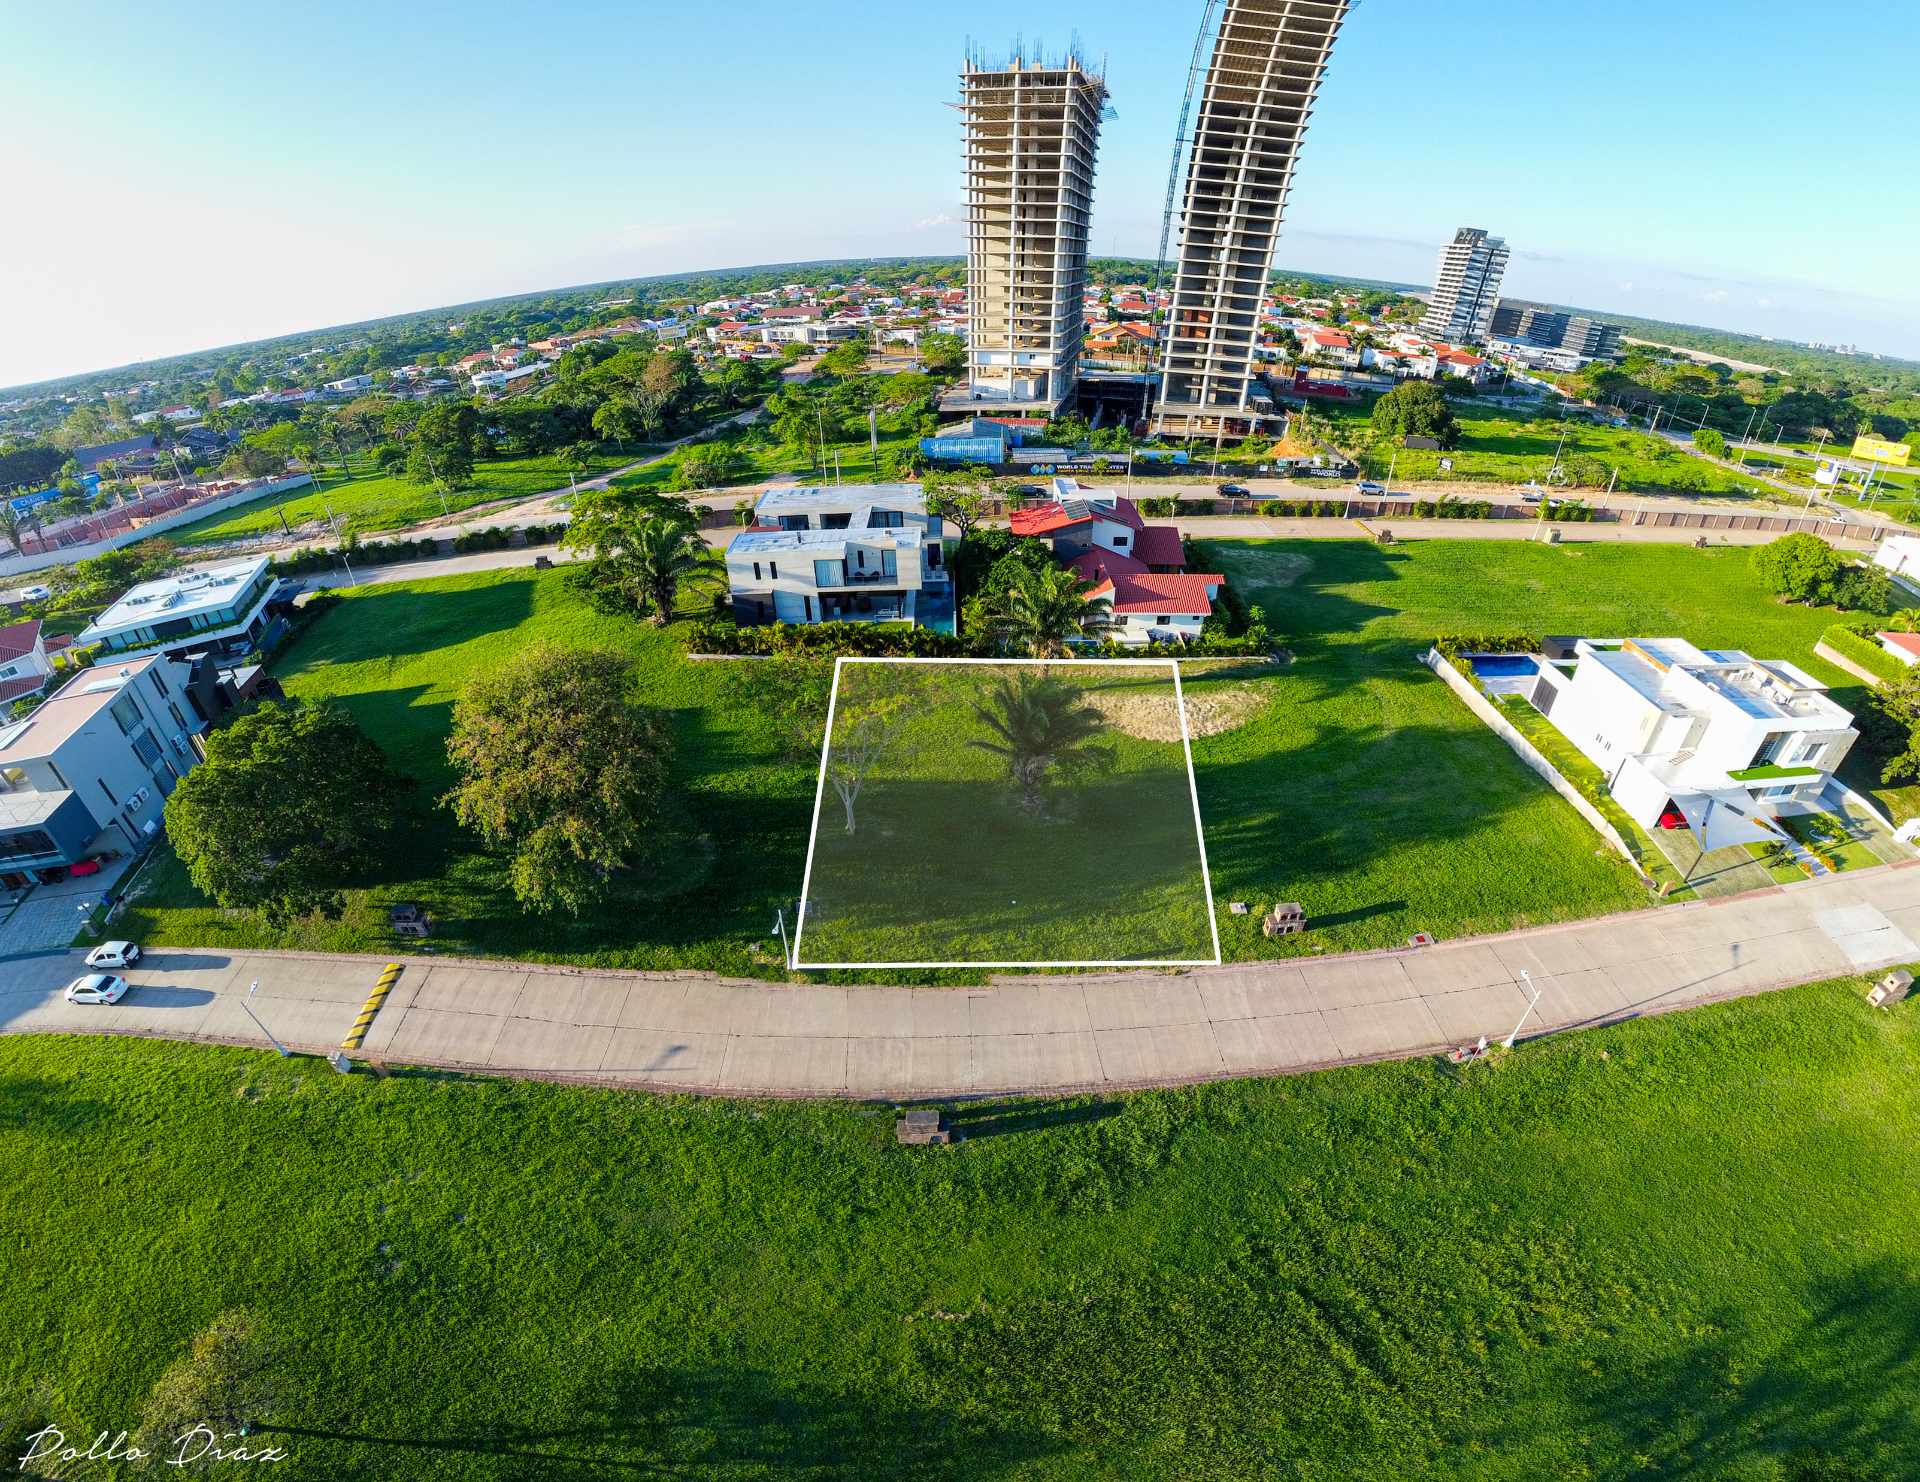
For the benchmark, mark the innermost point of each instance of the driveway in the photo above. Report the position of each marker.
(50, 916)
(1046, 1035)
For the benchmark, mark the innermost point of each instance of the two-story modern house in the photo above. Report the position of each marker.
(859, 553)
(90, 770)
(1675, 728)
(218, 608)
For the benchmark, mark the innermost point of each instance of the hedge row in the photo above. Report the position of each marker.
(1454, 646)
(1853, 644)
(373, 553)
(829, 640)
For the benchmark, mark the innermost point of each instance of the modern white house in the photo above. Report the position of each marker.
(1904, 647)
(854, 553)
(1716, 735)
(1899, 557)
(90, 770)
(205, 607)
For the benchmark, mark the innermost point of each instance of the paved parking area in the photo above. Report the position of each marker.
(51, 915)
(1040, 1034)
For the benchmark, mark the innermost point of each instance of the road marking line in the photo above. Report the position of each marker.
(372, 1007)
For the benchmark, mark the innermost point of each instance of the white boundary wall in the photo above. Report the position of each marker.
(1524, 749)
(66, 555)
(1199, 829)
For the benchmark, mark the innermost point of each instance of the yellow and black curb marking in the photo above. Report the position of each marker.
(371, 1007)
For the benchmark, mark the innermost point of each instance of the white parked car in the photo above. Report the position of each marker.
(113, 954)
(96, 988)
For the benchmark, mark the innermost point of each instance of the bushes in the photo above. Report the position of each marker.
(1853, 644)
(373, 553)
(1449, 507)
(870, 640)
(1452, 647)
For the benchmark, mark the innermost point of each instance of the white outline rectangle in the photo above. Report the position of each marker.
(820, 792)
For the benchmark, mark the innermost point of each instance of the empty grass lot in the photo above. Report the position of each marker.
(945, 864)
(371, 500)
(1368, 793)
(1681, 1247)
(1499, 445)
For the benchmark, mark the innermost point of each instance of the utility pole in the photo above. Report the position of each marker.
(1742, 460)
(333, 524)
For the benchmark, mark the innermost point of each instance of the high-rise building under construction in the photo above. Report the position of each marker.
(1466, 288)
(1032, 131)
(1260, 83)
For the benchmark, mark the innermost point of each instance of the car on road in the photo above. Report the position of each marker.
(96, 988)
(114, 954)
(1368, 486)
(1234, 491)
(1029, 491)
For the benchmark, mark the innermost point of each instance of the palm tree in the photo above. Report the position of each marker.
(664, 554)
(11, 524)
(1045, 725)
(1041, 609)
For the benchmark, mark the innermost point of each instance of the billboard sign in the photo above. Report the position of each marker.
(1881, 450)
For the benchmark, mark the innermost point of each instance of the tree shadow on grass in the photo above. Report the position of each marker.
(32, 1104)
(393, 621)
(1830, 1400)
(1005, 1118)
(703, 1422)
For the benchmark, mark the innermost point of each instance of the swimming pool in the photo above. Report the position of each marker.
(1504, 666)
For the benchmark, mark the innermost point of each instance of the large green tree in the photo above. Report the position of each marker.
(445, 442)
(292, 803)
(561, 769)
(1416, 409)
(641, 549)
(1799, 567)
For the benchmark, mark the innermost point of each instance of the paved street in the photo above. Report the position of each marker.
(1052, 1034)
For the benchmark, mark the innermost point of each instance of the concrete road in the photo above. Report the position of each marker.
(1046, 1034)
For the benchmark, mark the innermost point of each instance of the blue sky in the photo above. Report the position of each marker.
(192, 178)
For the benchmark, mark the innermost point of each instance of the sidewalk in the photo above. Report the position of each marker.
(1047, 1035)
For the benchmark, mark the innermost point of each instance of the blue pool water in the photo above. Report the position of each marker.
(1504, 666)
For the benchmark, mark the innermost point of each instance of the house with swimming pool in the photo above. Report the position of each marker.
(1720, 738)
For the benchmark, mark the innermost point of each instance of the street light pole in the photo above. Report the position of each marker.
(285, 1053)
(1533, 998)
(333, 524)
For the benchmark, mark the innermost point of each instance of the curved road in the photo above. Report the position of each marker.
(1044, 1035)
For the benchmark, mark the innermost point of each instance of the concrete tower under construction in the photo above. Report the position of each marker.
(1032, 130)
(1261, 78)
(1466, 288)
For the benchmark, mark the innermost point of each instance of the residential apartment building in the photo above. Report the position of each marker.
(854, 553)
(1466, 288)
(220, 607)
(1262, 77)
(1675, 727)
(89, 771)
(1032, 130)
(1539, 326)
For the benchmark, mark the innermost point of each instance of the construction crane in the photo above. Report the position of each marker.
(1180, 139)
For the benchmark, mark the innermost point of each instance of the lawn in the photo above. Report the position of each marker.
(948, 862)
(762, 461)
(1500, 445)
(371, 500)
(1348, 779)
(1673, 1247)
(1368, 793)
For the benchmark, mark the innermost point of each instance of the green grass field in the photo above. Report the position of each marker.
(1352, 782)
(1680, 1247)
(764, 461)
(1503, 446)
(371, 500)
(945, 864)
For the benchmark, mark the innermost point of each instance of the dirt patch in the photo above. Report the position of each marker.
(1257, 568)
(1151, 719)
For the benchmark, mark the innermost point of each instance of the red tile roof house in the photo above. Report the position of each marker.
(1139, 568)
(1903, 646)
(23, 661)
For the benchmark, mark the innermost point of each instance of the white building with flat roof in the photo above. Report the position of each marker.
(205, 607)
(857, 553)
(1675, 727)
